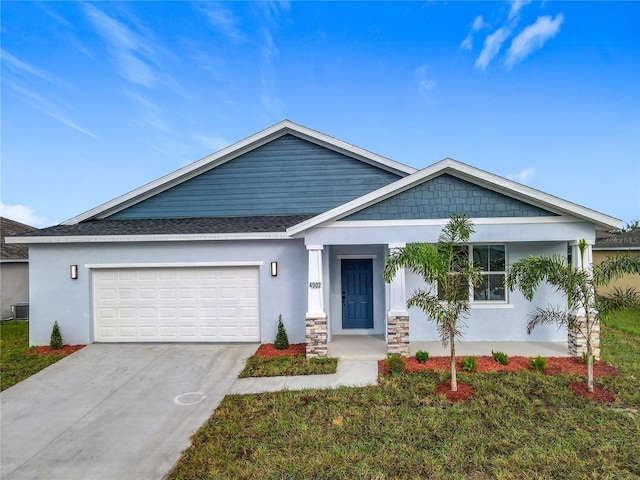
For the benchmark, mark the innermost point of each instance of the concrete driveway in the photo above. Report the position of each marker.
(114, 411)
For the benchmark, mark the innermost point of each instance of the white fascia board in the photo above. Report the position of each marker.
(16, 260)
(473, 175)
(196, 237)
(443, 221)
(229, 153)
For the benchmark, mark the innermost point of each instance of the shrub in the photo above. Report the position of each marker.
(585, 357)
(422, 356)
(56, 338)
(395, 363)
(282, 340)
(500, 357)
(539, 363)
(469, 364)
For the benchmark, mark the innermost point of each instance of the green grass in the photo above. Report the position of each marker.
(286, 365)
(15, 365)
(517, 425)
(624, 320)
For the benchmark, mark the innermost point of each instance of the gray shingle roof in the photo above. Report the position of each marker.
(174, 226)
(11, 228)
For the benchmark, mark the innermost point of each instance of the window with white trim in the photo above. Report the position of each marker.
(491, 259)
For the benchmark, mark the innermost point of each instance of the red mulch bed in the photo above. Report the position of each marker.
(46, 350)
(599, 394)
(464, 392)
(555, 365)
(268, 350)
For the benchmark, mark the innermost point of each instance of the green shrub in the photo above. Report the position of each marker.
(282, 340)
(469, 364)
(585, 357)
(539, 363)
(422, 356)
(500, 357)
(56, 338)
(395, 363)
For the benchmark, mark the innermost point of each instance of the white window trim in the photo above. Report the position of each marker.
(489, 303)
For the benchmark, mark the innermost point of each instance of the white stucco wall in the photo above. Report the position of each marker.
(504, 322)
(55, 296)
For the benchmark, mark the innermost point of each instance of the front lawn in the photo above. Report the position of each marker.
(15, 364)
(625, 320)
(286, 365)
(517, 425)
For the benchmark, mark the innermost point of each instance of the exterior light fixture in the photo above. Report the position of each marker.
(73, 271)
(274, 269)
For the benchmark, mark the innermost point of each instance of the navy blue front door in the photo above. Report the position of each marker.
(357, 293)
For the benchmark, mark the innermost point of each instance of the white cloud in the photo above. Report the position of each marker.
(467, 43)
(425, 82)
(223, 21)
(127, 47)
(532, 38)
(492, 45)
(523, 176)
(212, 143)
(48, 108)
(516, 6)
(23, 214)
(479, 24)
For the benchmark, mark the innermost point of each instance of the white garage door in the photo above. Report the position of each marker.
(194, 304)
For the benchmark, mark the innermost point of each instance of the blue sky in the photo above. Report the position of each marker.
(99, 98)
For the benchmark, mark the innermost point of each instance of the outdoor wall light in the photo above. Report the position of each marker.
(73, 270)
(274, 269)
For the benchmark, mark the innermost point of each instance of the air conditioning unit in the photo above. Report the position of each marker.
(20, 311)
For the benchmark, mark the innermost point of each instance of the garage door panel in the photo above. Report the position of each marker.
(176, 304)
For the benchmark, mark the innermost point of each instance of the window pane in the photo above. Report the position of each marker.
(496, 258)
(491, 289)
(481, 257)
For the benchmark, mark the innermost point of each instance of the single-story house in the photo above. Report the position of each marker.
(14, 271)
(609, 245)
(291, 222)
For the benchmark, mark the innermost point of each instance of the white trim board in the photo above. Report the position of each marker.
(93, 266)
(196, 237)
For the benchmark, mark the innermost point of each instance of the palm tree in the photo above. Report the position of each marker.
(447, 266)
(577, 283)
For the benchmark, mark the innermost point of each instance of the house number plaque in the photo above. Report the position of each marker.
(315, 284)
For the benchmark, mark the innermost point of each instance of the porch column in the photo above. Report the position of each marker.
(577, 337)
(316, 317)
(397, 315)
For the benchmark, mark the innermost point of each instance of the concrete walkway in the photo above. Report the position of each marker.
(350, 373)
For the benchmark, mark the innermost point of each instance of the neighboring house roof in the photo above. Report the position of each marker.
(622, 241)
(286, 127)
(10, 228)
(470, 174)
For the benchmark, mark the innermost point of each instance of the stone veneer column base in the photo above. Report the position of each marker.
(577, 338)
(398, 335)
(316, 338)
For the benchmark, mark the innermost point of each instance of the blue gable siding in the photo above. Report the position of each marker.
(286, 176)
(443, 196)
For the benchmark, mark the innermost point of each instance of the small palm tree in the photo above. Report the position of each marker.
(447, 266)
(577, 283)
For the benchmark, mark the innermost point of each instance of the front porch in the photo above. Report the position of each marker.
(374, 347)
